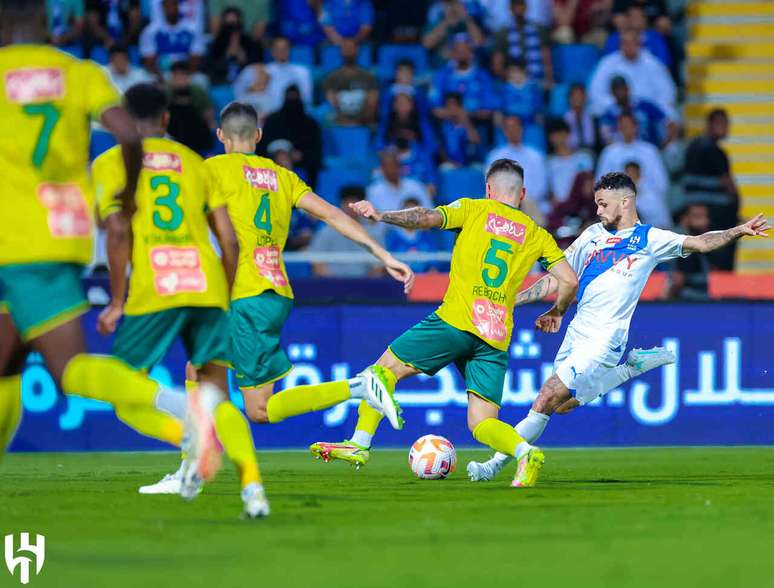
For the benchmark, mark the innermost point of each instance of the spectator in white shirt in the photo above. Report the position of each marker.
(583, 126)
(390, 190)
(533, 162)
(252, 86)
(283, 74)
(651, 201)
(171, 40)
(651, 207)
(122, 73)
(564, 163)
(646, 76)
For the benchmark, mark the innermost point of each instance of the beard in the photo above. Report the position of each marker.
(611, 225)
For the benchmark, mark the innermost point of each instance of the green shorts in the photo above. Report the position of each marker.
(433, 344)
(42, 296)
(256, 323)
(142, 340)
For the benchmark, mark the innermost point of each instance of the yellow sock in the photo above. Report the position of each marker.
(303, 399)
(132, 394)
(234, 433)
(108, 379)
(152, 423)
(498, 435)
(10, 409)
(368, 418)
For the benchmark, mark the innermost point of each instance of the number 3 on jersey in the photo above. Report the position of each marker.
(262, 219)
(501, 265)
(174, 216)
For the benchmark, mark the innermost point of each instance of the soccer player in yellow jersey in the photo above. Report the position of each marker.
(46, 101)
(497, 244)
(178, 286)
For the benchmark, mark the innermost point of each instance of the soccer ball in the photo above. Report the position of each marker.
(432, 457)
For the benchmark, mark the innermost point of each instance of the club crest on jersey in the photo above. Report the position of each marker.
(503, 227)
(261, 178)
(634, 243)
(162, 162)
(34, 84)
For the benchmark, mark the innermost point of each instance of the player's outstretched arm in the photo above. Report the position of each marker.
(118, 122)
(352, 230)
(410, 218)
(220, 224)
(755, 227)
(567, 288)
(545, 286)
(119, 251)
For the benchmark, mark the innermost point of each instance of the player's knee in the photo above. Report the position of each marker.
(257, 413)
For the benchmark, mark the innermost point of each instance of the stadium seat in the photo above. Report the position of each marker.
(348, 145)
(574, 63)
(535, 136)
(100, 55)
(559, 101)
(330, 58)
(220, 96)
(390, 55)
(302, 54)
(101, 141)
(331, 180)
(460, 183)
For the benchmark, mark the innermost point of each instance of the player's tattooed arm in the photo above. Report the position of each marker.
(713, 240)
(413, 218)
(545, 286)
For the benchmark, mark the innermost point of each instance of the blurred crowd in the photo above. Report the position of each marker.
(405, 102)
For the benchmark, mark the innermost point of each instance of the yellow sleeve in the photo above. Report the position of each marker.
(454, 214)
(109, 180)
(98, 91)
(214, 194)
(550, 254)
(298, 187)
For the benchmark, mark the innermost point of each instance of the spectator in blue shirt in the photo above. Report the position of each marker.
(460, 141)
(520, 96)
(170, 40)
(297, 20)
(416, 162)
(404, 81)
(347, 19)
(636, 19)
(400, 240)
(405, 120)
(65, 21)
(527, 41)
(655, 127)
(462, 76)
(445, 21)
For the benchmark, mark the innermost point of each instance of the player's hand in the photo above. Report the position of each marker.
(128, 204)
(401, 272)
(550, 321)
(109, 317)
(756, 227)
(366, 210)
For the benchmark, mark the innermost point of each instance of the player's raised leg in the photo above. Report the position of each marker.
(12, 355)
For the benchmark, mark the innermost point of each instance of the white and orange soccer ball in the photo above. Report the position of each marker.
(432, 457)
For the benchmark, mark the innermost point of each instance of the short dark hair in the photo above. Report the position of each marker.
(577, 86)
(630, 115)
(352, 192)
(456, 96)
(505, 165)
(633, 164)
(118, 48)
(615, 181)
(557, 125)
(406, 63)
(240, 119)
(717, 113)
(146, 101)
(181, 65)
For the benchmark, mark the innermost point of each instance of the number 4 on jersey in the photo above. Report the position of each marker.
(262, 218)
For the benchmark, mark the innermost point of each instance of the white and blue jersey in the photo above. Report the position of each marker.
(612, 269)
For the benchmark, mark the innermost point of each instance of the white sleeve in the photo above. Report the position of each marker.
(666, 245)
(656, 171)
(667, 92)
(148, 41)
(574, 253)
(304, 85)
(540, 184)
(243, 82)
(199, 44)
(599, 87)
(604, 165)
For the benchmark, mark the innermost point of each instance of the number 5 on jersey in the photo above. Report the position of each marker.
(495, 280)
(262, 219)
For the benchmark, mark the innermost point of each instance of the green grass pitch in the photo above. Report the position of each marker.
(620, 518)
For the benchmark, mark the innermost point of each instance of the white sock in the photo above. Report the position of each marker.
(357, 387)
(530, 428)
(362, 438)
(171, 401)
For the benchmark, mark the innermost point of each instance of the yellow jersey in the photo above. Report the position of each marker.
(495, 249)
(260, 196)
(173, 261)
(47, 98)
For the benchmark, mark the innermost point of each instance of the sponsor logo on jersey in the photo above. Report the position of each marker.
(489, 319)
(604, 256)
(503, 227)
(613, 240)
(261, 178)
(34, 84)
(162, 162)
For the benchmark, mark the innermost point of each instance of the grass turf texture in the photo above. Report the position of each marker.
(640, 517)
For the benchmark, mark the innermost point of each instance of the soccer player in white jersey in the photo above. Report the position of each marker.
(613, 259)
